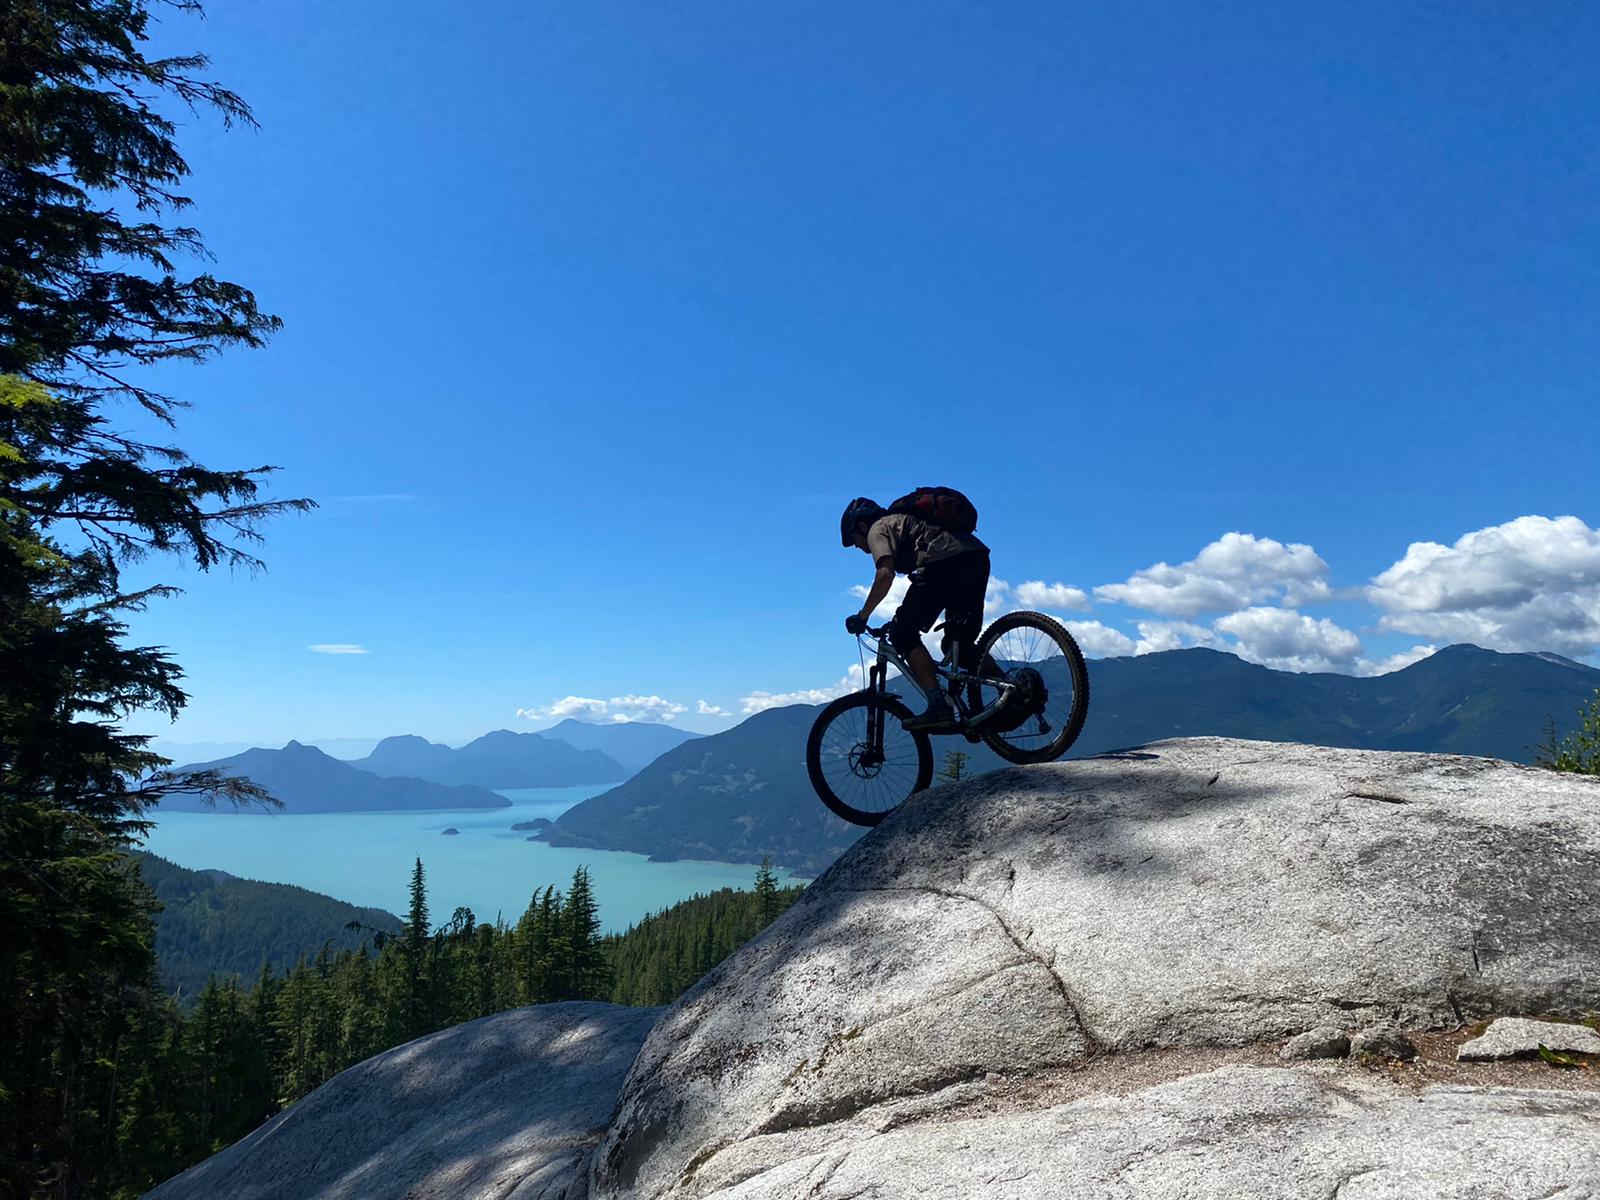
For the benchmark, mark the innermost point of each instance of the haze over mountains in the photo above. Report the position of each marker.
(307, 781)
(743, 794)
(501, 759)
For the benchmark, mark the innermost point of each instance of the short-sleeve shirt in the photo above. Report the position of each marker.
(910, 542)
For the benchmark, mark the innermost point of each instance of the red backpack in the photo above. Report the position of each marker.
(940, 505)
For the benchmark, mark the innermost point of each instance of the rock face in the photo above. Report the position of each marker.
(1195, 893)
(508, 1107)
(1514, 1037)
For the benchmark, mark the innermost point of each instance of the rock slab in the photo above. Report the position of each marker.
(1200, 892)
(1517, 1037)
(507, 1107)
(1241, 1132)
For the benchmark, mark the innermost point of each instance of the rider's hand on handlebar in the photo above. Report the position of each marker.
(856, 624)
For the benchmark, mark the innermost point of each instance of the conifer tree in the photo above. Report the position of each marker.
(767, 903)
(416, 955)
(91, 291)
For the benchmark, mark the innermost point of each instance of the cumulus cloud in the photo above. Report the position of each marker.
(618, 709)
(853, 680)
(1100, 641)
(1529, 584)
(886, 607)
(1053, 597)
(337, 648)
(1286, 640)
(1156, 636)
(1233, 572)
(1394, 662)
(703, 709)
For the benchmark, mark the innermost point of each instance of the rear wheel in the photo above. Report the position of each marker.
(1036, 657)
(862, 763)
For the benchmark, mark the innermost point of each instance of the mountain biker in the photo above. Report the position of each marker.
(949, 572)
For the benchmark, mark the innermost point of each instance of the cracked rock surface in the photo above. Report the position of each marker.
(507, 1107)
(1304, 1134)
(1201, 892)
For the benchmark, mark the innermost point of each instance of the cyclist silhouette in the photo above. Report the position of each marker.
(949, 573)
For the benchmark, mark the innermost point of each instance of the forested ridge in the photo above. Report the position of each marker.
(215, 924)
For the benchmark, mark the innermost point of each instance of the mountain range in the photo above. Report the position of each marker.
(501, 759)
(631, 743)
(308, 781)
(742, 795)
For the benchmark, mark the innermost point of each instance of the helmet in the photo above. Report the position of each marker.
(858, 510)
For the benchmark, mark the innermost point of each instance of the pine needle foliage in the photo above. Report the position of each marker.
(1579, 751)
(92, 294)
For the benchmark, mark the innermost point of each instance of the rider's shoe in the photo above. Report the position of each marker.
(940, 718)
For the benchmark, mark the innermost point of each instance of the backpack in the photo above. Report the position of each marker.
(940, 505)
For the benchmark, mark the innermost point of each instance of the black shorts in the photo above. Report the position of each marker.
(953, 586)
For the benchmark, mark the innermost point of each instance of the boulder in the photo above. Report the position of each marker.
(1202, 892)
(1517, 1037)
(1382, 1042)
(1327, 1041)
(507, 1107)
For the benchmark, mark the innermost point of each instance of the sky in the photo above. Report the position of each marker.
(1266, 327)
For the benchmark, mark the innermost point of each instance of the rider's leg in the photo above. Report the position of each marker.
(915, 615)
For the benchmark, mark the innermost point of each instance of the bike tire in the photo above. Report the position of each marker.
(1077, 672)
(894, 710)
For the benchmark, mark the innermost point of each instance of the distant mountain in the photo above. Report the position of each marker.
(502, 759)
(742, 794)
(731, 797)
(308, 781)
(631, 743)
(183, 752)
(213, 924)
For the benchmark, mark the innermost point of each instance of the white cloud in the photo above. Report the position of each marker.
(1286, 640)
(1100, 641)
(1529, 584)
(618, 709)
(1235, 571)
(337, 648)
(851, 681)
(703, 709)
(1394, 662)
(1156, 636)
(1053, 597)
(644, 708)
(886, 607)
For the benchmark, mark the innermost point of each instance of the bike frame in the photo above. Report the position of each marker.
(955, 681)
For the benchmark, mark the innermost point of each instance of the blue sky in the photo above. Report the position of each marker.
(597, 314)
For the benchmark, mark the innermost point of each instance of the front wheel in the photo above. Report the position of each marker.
(1047, 688)
(862, 763)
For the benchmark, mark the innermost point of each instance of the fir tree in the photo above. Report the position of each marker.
(767, 904)
(416, 955)
(954, 766)
(90, 292)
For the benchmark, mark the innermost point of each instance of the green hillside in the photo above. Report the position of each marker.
(212, 923)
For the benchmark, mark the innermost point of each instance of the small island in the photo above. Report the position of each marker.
(538, 826)
(451, 832)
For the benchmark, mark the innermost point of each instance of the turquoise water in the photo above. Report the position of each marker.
(366, 858)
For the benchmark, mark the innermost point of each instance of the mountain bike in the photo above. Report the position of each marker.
(1026, 698)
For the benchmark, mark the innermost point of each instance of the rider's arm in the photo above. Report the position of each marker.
(881, 583)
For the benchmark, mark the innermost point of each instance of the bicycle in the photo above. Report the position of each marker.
(1027, 700)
